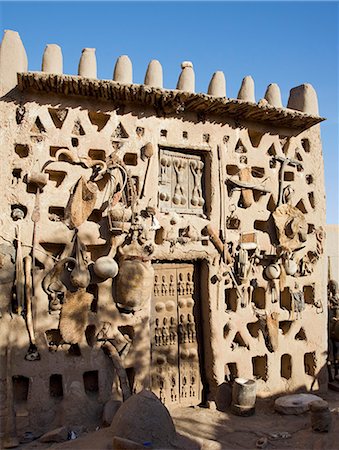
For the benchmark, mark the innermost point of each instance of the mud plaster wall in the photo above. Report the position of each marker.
(288, 355)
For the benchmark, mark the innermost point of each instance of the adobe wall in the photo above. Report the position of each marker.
(234, 189)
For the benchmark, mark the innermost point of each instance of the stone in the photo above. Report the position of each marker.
(13, 59)
(304, 98)
(217, 86)
(88, 63)
(273, 96)
(153, 75)
(224, 396)
(123, 70)
(294, 404)
(143, 418)
(56, 435)
(246, 91)
(52, 59)
(186, 80)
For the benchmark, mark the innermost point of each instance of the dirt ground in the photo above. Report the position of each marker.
(208, 429)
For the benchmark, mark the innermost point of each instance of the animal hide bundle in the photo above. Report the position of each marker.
(291, 227)
(81, 203)
(74, 316)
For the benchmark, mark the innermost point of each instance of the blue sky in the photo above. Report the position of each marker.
(288, 43)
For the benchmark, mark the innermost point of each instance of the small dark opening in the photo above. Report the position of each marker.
(16, 176)
(20, 388)
(91, 382)
(286, 299)
(259, 297)
(56, 213)
(232, 169)
(310, 363)
(258, 172)
(301, 335)
(286, 366)
(231, 299)
(75, 142)
(254, 328)
(21, 150)
(305, 143)
(140, 131)
(259, 364)
(55, 386)
(98, 119)
(96, 154)
(309, 294)
(285, 326)
(56, 176)
(232, 370)
(309, 179)
(289, 176)
(226, 330)
(131, 159)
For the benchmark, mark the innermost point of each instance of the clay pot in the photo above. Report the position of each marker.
(290, 267)
(243, 397)
(273, 271)
(106, 267)
(134, 284)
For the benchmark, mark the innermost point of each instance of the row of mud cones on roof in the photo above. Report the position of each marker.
(13, 59)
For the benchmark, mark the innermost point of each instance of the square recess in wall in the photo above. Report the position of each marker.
(184, 181)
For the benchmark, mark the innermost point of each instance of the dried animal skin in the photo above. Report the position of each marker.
(273, 329)
(74, 316)
(81, 203)
(291, 227)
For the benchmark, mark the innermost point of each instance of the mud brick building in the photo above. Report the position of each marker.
(154, 238)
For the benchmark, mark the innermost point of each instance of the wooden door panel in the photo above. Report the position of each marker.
(175, 373)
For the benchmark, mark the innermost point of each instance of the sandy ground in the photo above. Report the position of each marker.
(207, 429)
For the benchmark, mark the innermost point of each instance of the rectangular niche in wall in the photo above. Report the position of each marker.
(20, 388)
(91, 382)
(182, 178)
(286, 366)
(231, 299)
(259, 364)
(310, 363)
(55, 386)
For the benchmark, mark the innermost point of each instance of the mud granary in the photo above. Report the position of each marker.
(154, 238)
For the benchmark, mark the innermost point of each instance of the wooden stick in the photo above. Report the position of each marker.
(19, 277)
(121, 371)
(28, 290)
(218, 243)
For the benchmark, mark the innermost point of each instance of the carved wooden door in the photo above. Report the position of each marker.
(175, 372)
